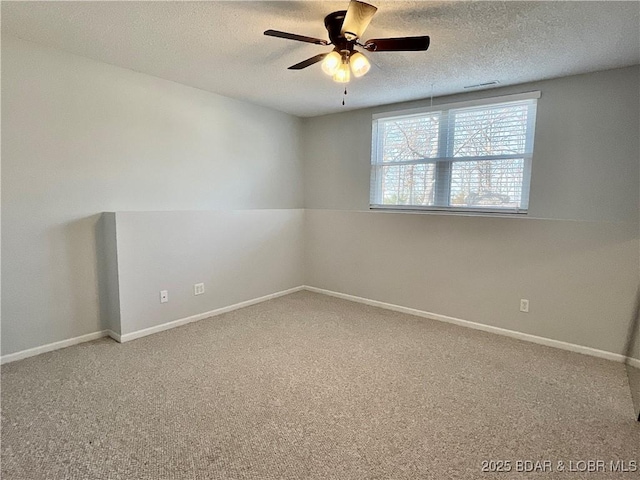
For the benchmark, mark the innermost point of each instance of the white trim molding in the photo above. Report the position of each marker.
(50, 347)
(114, 335)
(571, 347)
(12, 357)
(127, 337)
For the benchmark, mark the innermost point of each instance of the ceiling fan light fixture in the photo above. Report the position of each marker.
(352, 37)
(331, 63)
(343, 74)
(345, 28)
(359, 64)
(357, 19)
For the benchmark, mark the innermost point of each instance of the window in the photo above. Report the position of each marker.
(474, 156)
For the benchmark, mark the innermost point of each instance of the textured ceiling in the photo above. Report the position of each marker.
(219, 46)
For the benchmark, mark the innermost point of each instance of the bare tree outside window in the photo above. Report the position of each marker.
(408, 141)
(470, 158)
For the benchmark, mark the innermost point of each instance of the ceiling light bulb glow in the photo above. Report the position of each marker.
(359, 64)
(343, 74)
(331, 63)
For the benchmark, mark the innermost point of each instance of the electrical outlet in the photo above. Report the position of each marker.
(164, 296)
(524, 305)
(198, 289)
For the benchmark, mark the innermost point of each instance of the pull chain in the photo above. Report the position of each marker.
(344, 95)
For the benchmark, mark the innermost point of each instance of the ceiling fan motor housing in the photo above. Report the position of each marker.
(333, 23)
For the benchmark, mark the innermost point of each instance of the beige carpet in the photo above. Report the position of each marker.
(311, 387)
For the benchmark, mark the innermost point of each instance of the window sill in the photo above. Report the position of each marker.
(480, 212)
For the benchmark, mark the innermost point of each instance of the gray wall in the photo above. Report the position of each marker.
(574, 256)
(239, 255)
(580, 277)
(585, 160)
(633, 356)
(107, 271)
(633, 368)
(80, 137)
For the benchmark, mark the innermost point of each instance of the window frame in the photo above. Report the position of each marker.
(445, 159)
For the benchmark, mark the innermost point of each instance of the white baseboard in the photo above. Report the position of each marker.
(114, 335)
(12, 357)
(594, 352)
(127, 337)
(31, 352)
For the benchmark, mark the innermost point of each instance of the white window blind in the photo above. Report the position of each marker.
(475, 156)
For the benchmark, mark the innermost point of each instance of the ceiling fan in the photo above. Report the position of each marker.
(345, 28)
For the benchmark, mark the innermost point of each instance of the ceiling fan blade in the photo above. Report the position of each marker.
(308, 62)
(357, 19)
(403, 44)
(293, 36)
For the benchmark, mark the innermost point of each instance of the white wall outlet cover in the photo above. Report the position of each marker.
(164, 296)
(524, 305)
(198, 289)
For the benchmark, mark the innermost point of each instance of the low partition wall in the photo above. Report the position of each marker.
(238, 255)
(580, 278)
